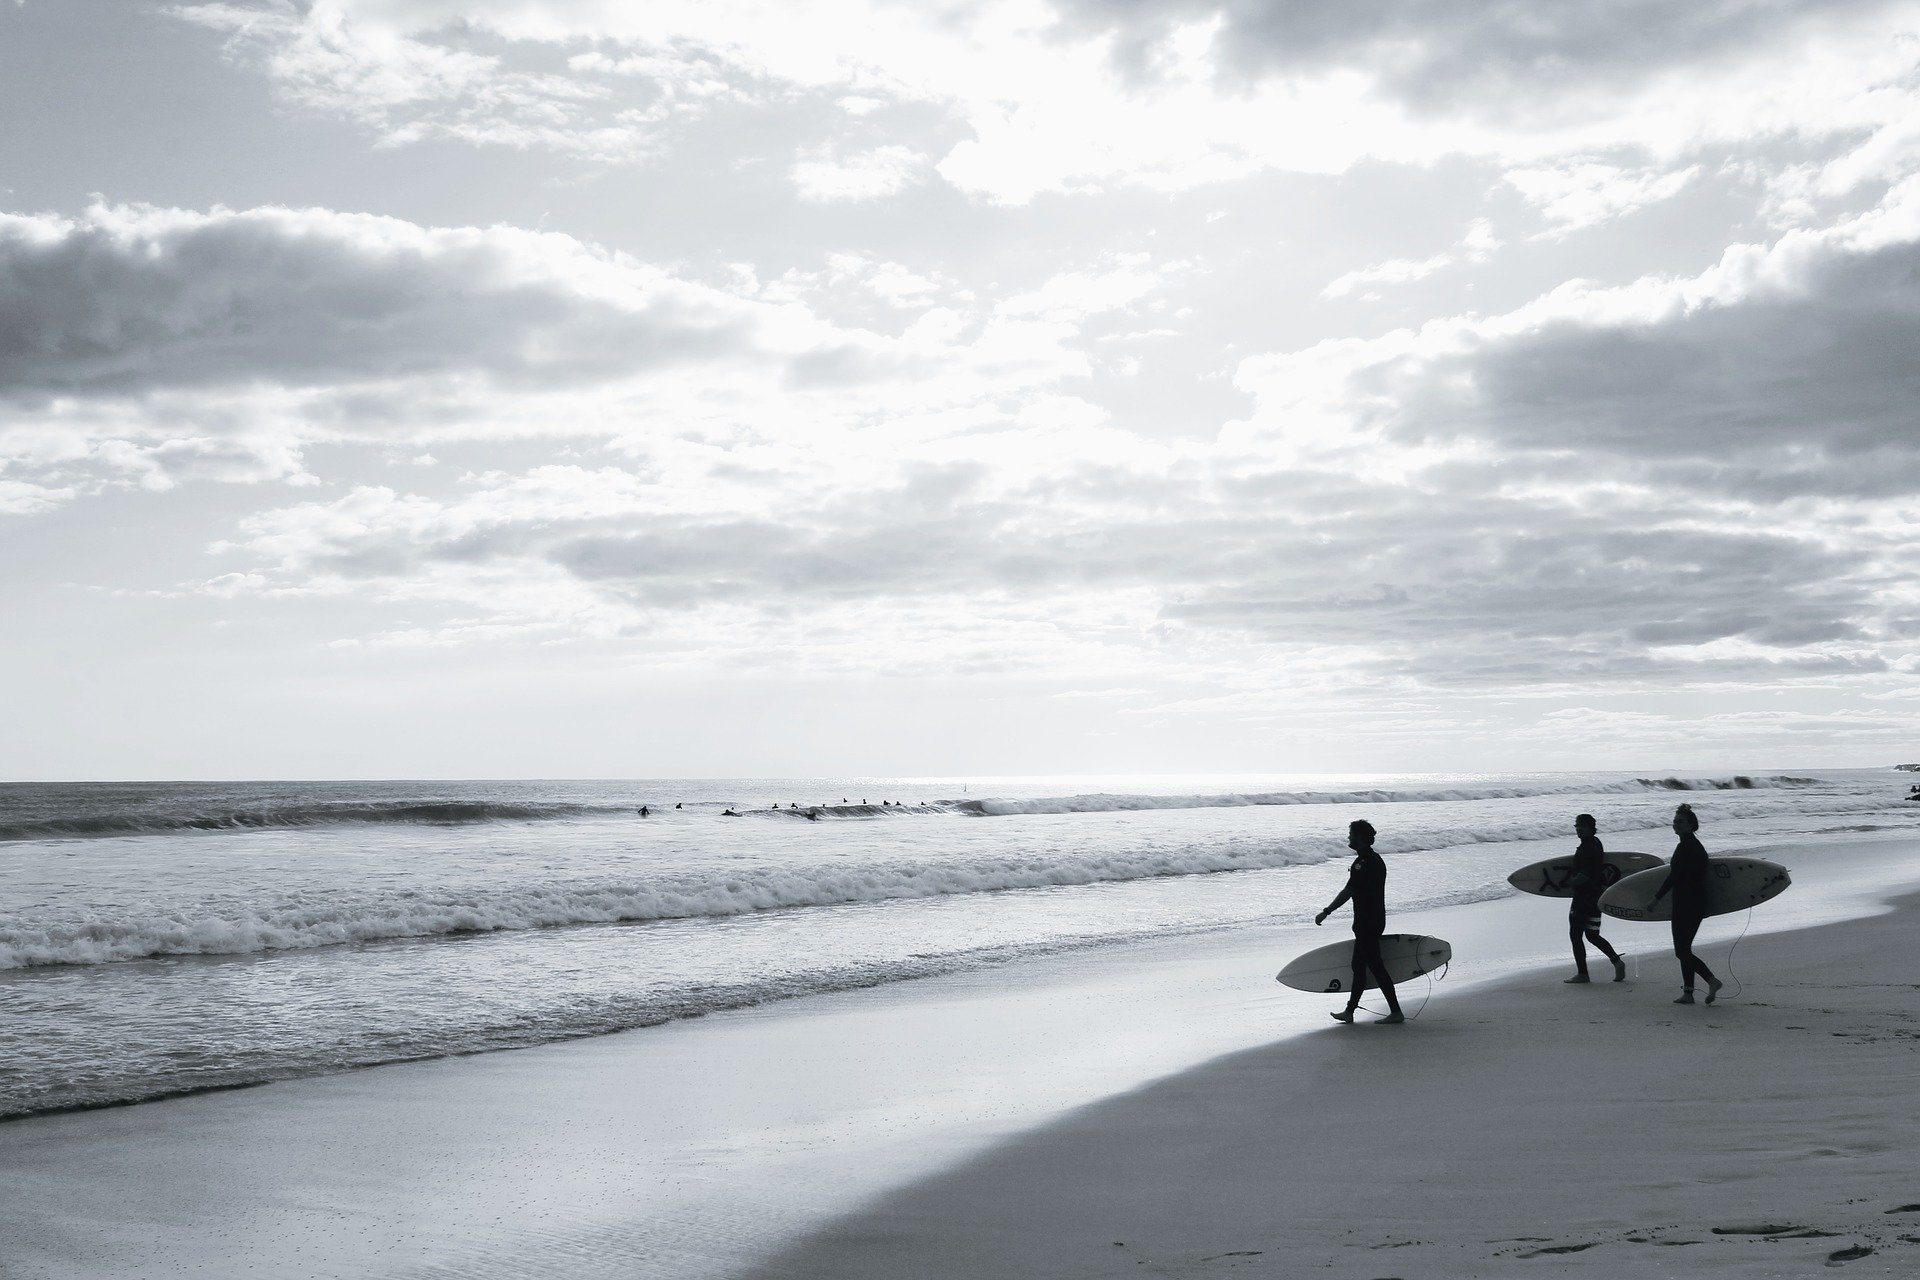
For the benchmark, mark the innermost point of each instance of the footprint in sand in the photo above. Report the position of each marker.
(1840, 1257)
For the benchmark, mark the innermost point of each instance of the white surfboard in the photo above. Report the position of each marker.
(1733, 884)
(1330, 968)
(1549, 878)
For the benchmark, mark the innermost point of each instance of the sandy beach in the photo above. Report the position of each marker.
(1595, 1131)
(1162, 1109)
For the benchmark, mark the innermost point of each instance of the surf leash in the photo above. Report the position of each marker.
(1738, 986)
(1423, 999)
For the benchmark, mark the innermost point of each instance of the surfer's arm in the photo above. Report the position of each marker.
(1665, 885)
(1337, 903)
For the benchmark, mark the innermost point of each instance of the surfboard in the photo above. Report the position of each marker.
(1330, 968)
(1733, 884)
(1549, 878)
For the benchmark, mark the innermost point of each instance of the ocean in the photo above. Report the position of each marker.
(163, 938)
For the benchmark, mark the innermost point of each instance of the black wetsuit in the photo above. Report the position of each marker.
(1367, 889)
(1588, 882)
(1687, 880)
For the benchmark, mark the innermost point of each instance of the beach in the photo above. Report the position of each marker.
(1527, 1129)
(1160, 1108)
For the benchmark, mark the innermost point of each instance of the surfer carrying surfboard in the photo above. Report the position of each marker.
(1687, 880)
(1367, 890)
(1588, 882)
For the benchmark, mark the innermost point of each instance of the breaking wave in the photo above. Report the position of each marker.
(444, 813)
(1106, 803)
(226, 929)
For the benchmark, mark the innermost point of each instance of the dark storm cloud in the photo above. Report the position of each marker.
(129, 300)
(1464, 55)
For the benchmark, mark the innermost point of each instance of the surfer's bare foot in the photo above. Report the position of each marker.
(1577, 978)
(1686, 997)
(1344, 1015)
(1713, 988)
(1395, 1016)
(1619, 970)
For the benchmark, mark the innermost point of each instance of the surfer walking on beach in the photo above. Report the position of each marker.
(1687, 880)
(1367, 890)
(1587, 883)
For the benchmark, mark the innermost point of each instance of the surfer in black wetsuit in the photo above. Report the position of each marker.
(1588, 881)
(1687, 880)
(1367, 888)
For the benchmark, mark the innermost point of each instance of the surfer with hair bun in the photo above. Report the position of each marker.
(1687, 879)
(1367, 889)
(1587, 883)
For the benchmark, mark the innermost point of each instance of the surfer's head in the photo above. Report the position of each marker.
(1583, 824)
(1684, 819)
(1359, 834)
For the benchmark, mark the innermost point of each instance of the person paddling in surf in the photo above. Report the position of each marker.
(1588, 882)
(1367, 889)
(1687, 879)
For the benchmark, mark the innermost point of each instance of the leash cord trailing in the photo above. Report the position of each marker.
(1738, 986)
(1428, 995)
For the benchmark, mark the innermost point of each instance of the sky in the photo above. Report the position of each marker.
(577, 388)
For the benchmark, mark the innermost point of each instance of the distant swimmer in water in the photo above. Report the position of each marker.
(1687, 879)
(643, 811)
(1588, 881)
(676, 804)
(728, 813)
(1367, 889)
(813, 815)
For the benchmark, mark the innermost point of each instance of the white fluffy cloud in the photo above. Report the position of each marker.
(1089, 94)
(866, 175)
(1582, 193)
(154, 345)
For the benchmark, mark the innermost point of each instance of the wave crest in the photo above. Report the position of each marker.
(1102, 802)
(446, 813)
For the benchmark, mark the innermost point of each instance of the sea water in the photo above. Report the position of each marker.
(162, 938)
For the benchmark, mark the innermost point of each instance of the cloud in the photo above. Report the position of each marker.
(125, 299)
(1085, 95)
(1783, 368)
(1457, 55)
(152, 346)
(866, 175)
(1107, 559)
(1475, 247)
(1580, 194)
